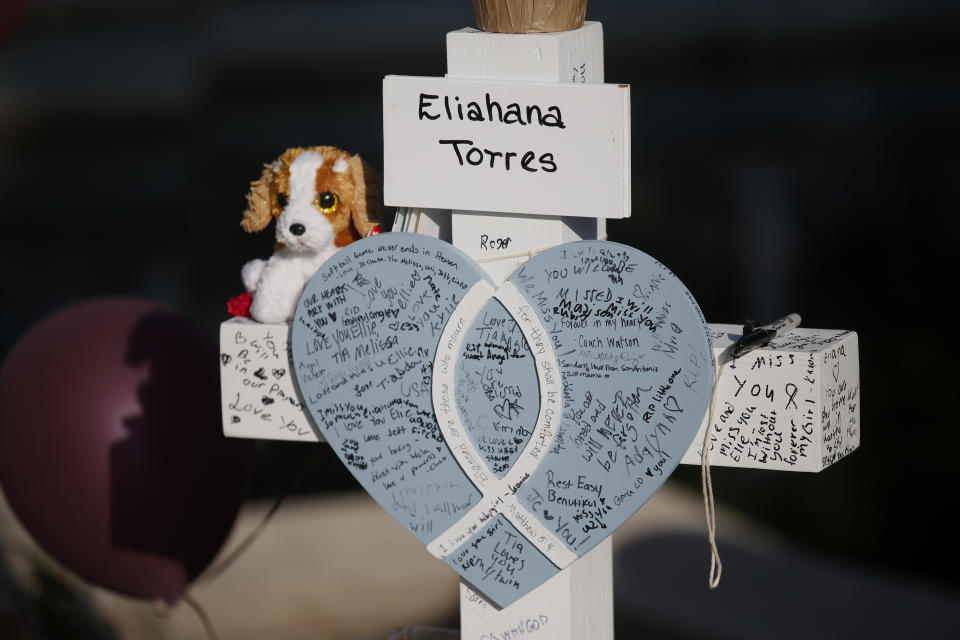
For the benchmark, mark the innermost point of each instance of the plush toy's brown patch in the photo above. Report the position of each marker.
(345, 237)
(368, 197)
(342, 185)
(359, 191)
(261, 202)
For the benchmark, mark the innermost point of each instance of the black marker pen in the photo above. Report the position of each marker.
(756, 337)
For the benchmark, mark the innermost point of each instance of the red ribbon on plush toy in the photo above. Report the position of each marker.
(239, 306)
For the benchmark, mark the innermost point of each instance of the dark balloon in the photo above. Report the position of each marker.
(111, 448)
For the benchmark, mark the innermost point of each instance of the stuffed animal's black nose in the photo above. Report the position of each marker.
(297, 229)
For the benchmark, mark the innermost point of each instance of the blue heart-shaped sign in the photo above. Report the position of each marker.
(509, 429)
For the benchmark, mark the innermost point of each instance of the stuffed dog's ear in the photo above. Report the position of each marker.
(260, 202)
(367, 196)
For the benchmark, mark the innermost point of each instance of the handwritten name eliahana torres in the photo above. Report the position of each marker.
(489, 110)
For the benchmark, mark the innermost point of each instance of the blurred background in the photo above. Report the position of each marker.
(789, 156)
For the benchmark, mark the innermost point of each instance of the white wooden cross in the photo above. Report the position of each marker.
(793, 405)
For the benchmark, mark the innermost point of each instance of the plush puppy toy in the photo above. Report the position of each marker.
(322, 199)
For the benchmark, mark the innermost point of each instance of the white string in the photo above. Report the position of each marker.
(716, 567)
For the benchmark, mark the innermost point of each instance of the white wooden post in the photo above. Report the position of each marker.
(577, 603)
(568, 56)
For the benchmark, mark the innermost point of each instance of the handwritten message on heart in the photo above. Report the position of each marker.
(509, 429)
